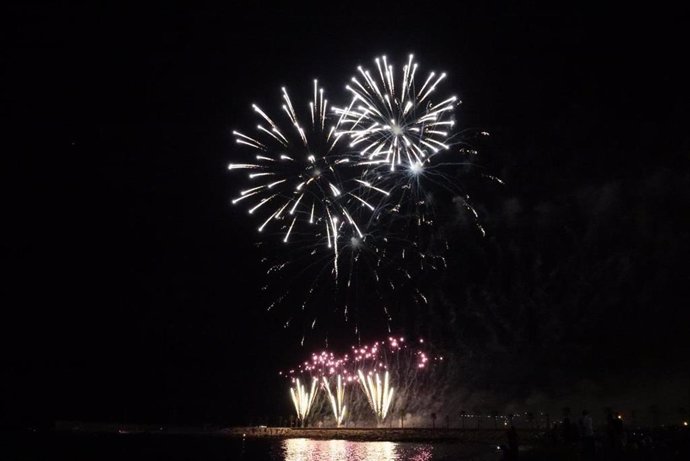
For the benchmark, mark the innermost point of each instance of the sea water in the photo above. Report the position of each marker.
(146, 447)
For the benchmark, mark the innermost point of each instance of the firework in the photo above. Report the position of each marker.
(294, 180)
(397, 126)
(302, 399)
(337, 402)
(379, 395)
(301, 184)
(351, 192)
(387, 375)
(394, 123)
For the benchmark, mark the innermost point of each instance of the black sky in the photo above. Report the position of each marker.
(131, 285)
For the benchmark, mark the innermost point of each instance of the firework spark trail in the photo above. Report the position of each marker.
(302, 399)
(338, 401)
(379, 395)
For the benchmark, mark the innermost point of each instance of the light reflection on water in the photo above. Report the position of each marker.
(342, 450)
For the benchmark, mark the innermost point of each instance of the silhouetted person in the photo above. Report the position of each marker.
(587, 435)
(614, 432)
(512, 436)
(569, 431)
(618, 431)
(554, 433)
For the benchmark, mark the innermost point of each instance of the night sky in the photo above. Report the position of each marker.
(131, 286)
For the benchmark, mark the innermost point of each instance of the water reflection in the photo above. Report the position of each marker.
(343, 450)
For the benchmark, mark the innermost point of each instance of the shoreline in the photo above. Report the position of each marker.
(355, 434)
(492, 436)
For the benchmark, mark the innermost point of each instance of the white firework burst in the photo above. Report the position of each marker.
(294, 177)
(355, 192)
(396, 124)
